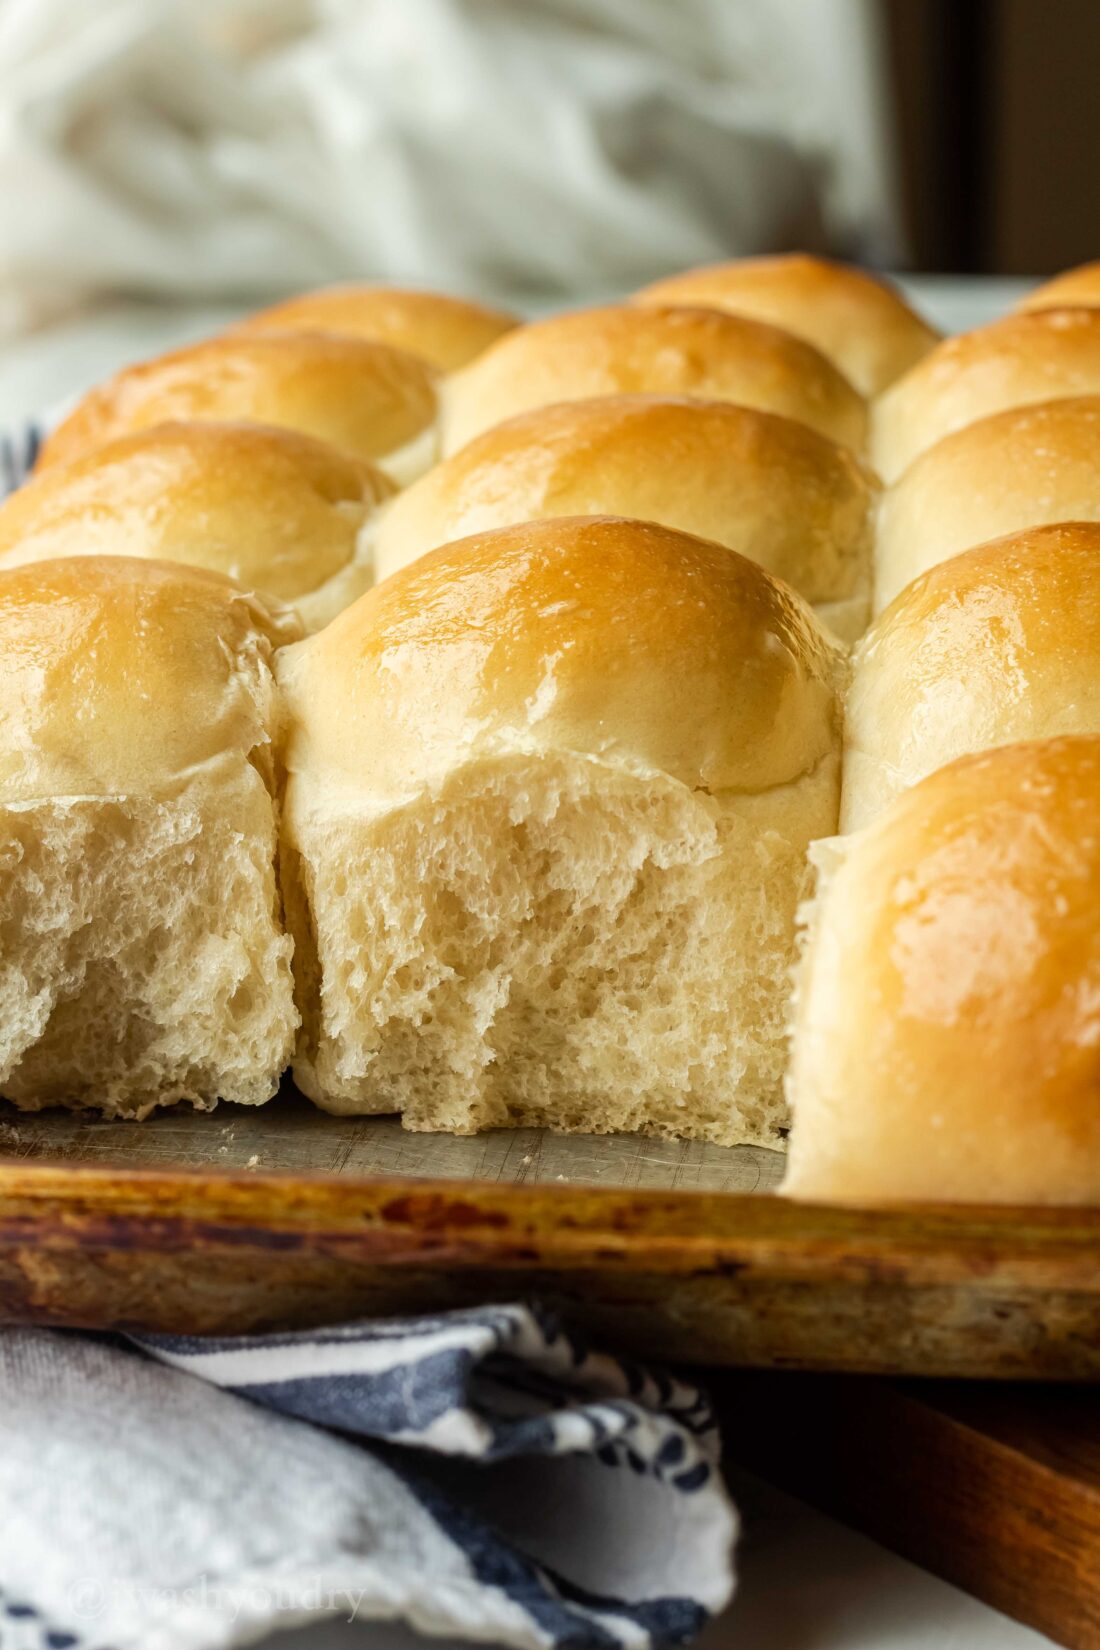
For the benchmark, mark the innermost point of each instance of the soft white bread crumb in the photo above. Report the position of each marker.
(143, 955)
(549, 795)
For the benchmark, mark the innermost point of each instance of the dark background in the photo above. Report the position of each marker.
(998, 114)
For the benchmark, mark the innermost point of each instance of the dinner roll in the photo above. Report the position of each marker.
(628, 350)
(775, 490)
(945, 1043)
(448, 332)
(1021, 468)
(1023, 358)
(861, 323)
(1073, 286)
(998, 644)
(275, 510)
(368, 399)
(144, 958)
(549, 795)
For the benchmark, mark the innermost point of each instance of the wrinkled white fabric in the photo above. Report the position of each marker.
(480, 1473)
(229, 148)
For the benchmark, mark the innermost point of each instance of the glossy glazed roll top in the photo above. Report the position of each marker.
(947, 1039)
(859, 322)
(1043, 356)
(275, 510)
(447, 332)
(998, 644)
(1028, 467)
(368, 399)
(632, 350)
(772, 489)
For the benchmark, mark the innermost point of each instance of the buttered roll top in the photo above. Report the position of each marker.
(945, 1045)
(616, 640)
(1041, 356)
(368, 399)
(275, 510)
(1026, 467)
(632, 350)
(998, 644)
(861, 323)
(124, 677)
(786, 497)
(1073, 286)
(446, 331)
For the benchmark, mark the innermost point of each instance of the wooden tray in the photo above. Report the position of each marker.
(246, 1219)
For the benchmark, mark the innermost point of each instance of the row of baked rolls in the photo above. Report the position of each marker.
(204, 455)
(947, 1029)
(301, 521)
(358, 367)
(390, 406)
(546, 802)
(214, 455)
(985, 555)
(537, 810)
(389, 375)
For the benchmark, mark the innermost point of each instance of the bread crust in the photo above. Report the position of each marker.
(368, 399)
(790, 499)
(946, 1045)
(1072, 287)
(1039, 356)
(447, 332)
(998, 644)
(1030, 466)
(860, 322)
(273, 509)
(661, 350)
(619, 639)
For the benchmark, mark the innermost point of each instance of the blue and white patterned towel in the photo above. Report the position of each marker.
(478, 1473)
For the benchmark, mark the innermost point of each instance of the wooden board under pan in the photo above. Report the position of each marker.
(244, 1218)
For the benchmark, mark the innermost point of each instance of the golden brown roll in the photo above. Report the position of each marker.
(144, 957)
(370, 400)
(448, 332)
(1042, 356)
(861, 323)
(1073, 286)
(631, 350)
(946, 1043)
(1022, 468)
(786, 497)
(275, 510)
(549, 795)
(998, 644)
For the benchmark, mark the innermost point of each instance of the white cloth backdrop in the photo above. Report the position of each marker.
(220, 149)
